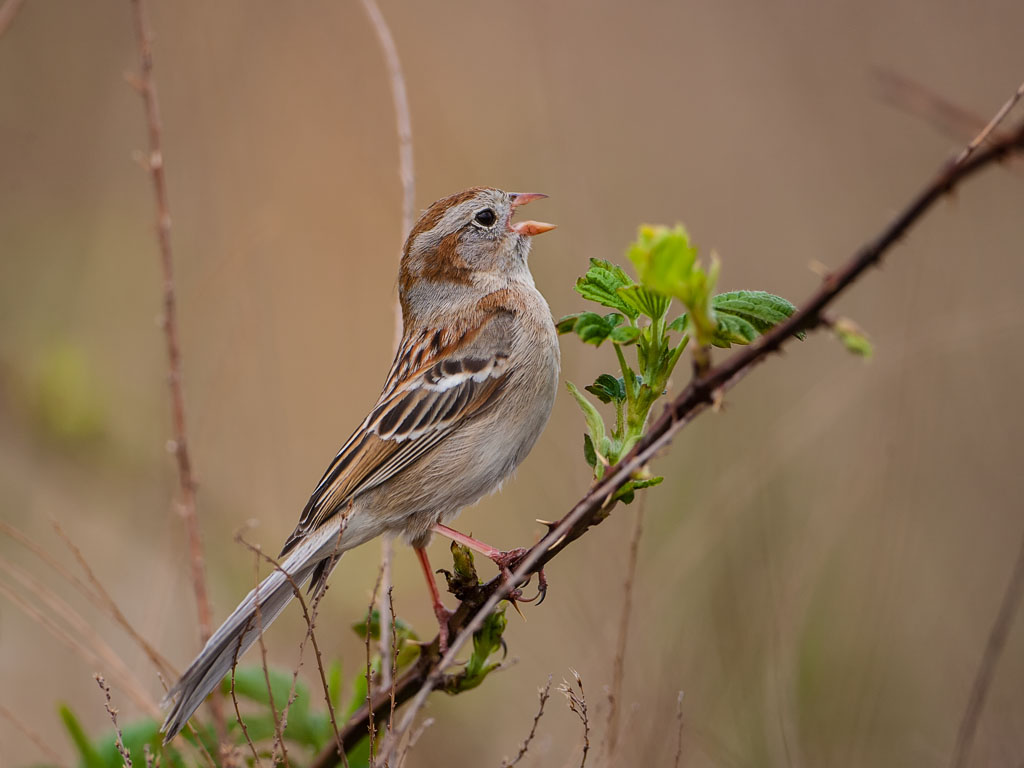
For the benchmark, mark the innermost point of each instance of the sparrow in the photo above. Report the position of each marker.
(469, 392)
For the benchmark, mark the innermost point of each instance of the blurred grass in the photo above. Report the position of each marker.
(825, 557)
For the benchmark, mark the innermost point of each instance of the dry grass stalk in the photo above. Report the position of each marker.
(994, 647)
(403, 125)
(543, 693)
(619, 664)
(105, 602)
(112, 712)
(278, 731)
(31, 735)
(578, 705)
(309, 614)
(97, 595)
(371, 729)
(411, 742)
(82, 638)
(238, 713)
(679, 730)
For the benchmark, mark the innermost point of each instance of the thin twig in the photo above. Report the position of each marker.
(412, 741)
(694, 400)
(371, 729)
(994, 647)
(238, 712)
(679, 730)
(387, 617)
(394, 659)
(543, 693)
(619, 665)
(146, 87)
(403, 125)
(986, 132)
(578, 705)
(112, 712)
(7, 13)
(309, 614)
(31, 735)
(278, 732)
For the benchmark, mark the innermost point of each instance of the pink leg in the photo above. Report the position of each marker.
(442, 613)
(468, 541)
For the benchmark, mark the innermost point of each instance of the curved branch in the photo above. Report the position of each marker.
(702, 392)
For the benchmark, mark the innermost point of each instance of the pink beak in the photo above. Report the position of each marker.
(528, 228)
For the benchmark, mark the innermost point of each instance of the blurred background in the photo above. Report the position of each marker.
(819, 571)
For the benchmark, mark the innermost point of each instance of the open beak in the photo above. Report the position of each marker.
(528, 228)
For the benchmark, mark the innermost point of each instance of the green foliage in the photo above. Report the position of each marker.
(668, 269)
(486, 641)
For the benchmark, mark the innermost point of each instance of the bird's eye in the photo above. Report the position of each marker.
(486, 217)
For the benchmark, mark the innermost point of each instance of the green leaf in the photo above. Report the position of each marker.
(627, 492)
(732, 330)
(486, 641)
(594, 421)
(645, 301)
(679, 324)
(567, 324)
(853, 337)
(601, 285)
(589, 454)
(624, 334)
(761, 309)
(250, 683)
(608, 389)
(592, 328)
(86, 751)
(663, 257)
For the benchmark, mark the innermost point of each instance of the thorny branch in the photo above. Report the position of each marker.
(429, 673)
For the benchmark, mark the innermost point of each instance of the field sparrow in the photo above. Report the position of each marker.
(469, 392)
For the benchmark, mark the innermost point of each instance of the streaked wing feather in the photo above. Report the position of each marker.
(409, 420)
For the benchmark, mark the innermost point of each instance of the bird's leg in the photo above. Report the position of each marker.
(442, 613)
(501, 559)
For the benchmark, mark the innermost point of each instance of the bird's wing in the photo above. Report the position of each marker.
(431, 391)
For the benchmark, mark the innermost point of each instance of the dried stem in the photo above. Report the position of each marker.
(112, 712)
(387, 616)
(278, 732)
(679, 730)
(543, 693)
(619, 665)
(994, 647)
(403, 125)
(31, 735)
(309, 614)
(238, 713)
(371, 729)
(146, 87)
(694, 400)
(578, 705)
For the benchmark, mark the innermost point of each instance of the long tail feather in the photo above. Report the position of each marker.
(318, 552)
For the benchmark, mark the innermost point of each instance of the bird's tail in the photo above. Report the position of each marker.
(318, 552)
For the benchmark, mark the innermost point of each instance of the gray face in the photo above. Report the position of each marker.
(466, 233)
